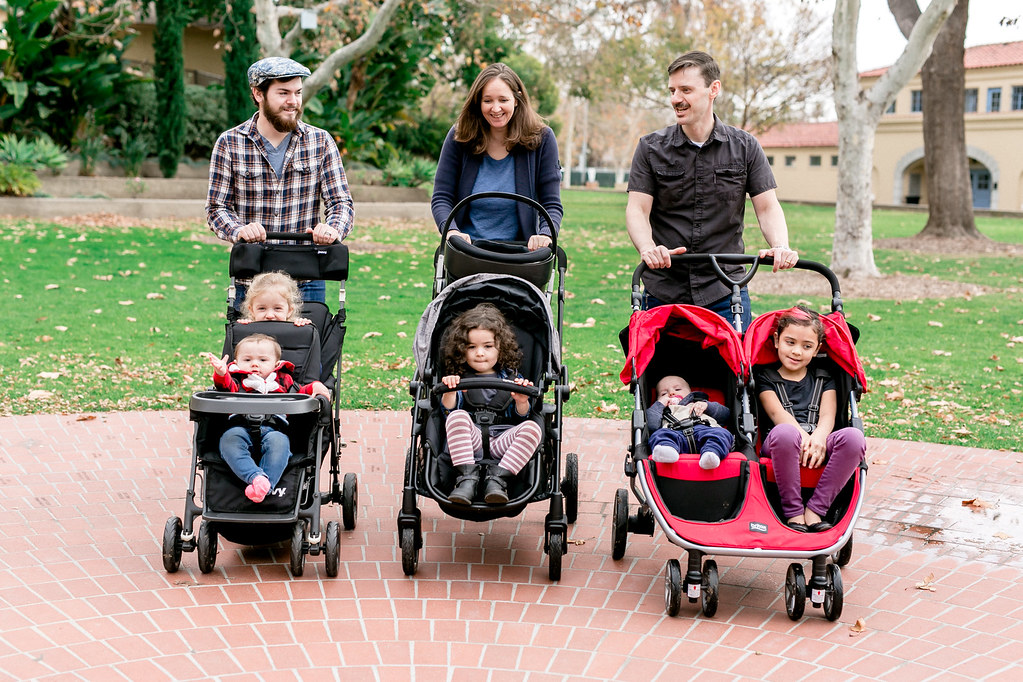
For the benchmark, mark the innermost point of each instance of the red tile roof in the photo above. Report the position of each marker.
(801, 135)
(978, 57)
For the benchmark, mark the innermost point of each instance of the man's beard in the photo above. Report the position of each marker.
(281, 124)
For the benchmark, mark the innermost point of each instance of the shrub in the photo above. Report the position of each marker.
(32, 156)
(18, 180)
(409, 172)
(133, 153)
(205, 121)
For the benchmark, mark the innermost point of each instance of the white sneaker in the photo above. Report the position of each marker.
(664, 454)
(709, 460)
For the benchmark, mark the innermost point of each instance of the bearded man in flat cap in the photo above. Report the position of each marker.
(272, 172)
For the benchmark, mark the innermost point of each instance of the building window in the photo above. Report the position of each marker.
(815, 160)
(790, 161)
(994, 99)
(770, 160)
(1017, 97)
(916, 101)
(970, 101)
(834, 159)
(891, 108)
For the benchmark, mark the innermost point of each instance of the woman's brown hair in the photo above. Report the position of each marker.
(525, 127)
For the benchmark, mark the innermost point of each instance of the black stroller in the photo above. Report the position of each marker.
(292, 510)
(733, 510)
(522, 299)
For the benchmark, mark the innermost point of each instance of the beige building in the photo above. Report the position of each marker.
(805, 156)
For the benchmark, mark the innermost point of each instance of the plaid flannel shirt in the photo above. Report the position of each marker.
(245, 189)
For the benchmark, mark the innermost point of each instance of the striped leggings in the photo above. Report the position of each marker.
(513, 447)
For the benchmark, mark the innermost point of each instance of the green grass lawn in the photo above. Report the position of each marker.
(103, 318)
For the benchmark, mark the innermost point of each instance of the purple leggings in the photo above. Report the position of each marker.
(845, 449)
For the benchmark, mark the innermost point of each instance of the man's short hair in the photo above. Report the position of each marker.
(709, 68)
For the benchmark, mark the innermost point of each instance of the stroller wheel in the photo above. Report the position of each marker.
(332, 549)
(844, 555)
(350, 500)
(297, 551)
(570, 487)
(795, 592)
(172, 544)
(672, 587)
(555, 550)
(833, 595)
(206, 546)
(619, 523)
(709, 589)
(409, 553)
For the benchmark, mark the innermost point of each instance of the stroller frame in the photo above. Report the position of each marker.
(700, 580)
(423, 462)
(301, 523)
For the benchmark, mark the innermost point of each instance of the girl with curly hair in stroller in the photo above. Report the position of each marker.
(480, 342)
(801, 402)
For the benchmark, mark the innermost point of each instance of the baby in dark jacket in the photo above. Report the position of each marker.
(675, 404)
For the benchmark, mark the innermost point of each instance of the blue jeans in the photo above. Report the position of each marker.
(714, 439)
(234, 448)
(311, 290)
(722, 307)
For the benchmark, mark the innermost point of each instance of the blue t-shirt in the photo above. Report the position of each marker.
(275, 155)
(495, 219)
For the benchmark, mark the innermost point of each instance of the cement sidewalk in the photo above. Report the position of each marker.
(83, 594)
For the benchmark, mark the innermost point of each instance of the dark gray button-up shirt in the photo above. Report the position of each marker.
(699, 202)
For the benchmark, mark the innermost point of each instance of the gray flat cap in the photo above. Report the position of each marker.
(279, 68)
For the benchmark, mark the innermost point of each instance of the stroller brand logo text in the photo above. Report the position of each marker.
(757, 527)
(279, 492)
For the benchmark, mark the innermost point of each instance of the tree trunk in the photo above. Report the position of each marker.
(852, 254)
(949, 195)
(859, 112)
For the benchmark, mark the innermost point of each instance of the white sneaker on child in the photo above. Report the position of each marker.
(709, 460)
(664, 454)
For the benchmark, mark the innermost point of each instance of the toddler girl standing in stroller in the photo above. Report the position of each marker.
(801, 403)
(480, 343)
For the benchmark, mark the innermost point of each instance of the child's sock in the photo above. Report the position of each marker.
(665, 454)
(709, 460)
(258, 489)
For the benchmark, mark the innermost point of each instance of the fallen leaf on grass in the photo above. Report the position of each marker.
(859, 626)
(40, 395)
(155, 296)
(873, 318)
(581, 325)
(597, 301)
(935, 323)
(52, 286)
(604, 407)
(976, 503)
(49, 375)
(369, 335)
(927, 584)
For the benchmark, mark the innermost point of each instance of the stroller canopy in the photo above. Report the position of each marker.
(838, 343)
(685, 322)
(525, 307)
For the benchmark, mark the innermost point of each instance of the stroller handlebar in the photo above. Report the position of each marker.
(715, 259)
(501, 195)
(291, 236)
(467, 383)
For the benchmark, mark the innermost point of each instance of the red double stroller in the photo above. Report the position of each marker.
(735, 509)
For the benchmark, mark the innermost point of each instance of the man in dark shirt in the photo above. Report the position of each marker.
(687, 192)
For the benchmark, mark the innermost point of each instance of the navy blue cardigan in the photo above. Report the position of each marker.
(537, 176)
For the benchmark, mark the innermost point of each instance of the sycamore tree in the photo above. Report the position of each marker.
(279, 29)
(943, 79)
(859, 112)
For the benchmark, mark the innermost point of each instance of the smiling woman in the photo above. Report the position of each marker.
(499, 143)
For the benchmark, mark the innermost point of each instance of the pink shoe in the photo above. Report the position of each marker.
(258, 489)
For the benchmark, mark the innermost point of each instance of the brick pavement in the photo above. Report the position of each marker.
(83, 594)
